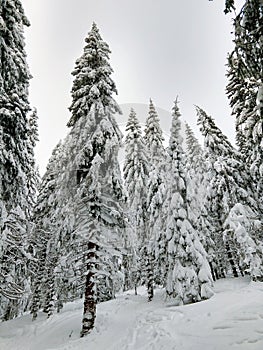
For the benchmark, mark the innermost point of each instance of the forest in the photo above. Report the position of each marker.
(178, 218)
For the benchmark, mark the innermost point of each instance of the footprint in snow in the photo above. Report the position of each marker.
(222, 327)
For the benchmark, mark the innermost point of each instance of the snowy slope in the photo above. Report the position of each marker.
(232, 319)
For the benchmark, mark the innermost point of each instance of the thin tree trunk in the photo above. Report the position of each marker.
(212, 271)
(149, 277)
(231, 260)
(126, 284)
(90, 300)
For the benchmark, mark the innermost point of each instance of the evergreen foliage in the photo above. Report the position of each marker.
(136, 174)
(244, 227)
(229, 185)
(195, 174)
(188, 274)
(92, 222)
(155, 197)
(44, 218)
(18, 179)
(185, 216)
(79, 218)
(245, 87)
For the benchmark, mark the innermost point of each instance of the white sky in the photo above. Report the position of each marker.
(160, 49)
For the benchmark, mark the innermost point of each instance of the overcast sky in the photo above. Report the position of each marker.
(160, 49)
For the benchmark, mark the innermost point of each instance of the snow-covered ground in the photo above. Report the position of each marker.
(231, 319)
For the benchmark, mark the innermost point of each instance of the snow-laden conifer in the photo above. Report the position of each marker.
(92, 179)
(245, 227)
(245, 87)
(153, 136)
(197, 179)
(44, 229)
(229, 184)
(195, 174)
(155, 195)
(16, 160)
(136, 173)
(188, 274)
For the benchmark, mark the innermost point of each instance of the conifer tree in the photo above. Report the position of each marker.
(188, 273)
(44, 218)
(16, 160)
(244, 226)
(197, 179)
(245, 88)
(156, 194)
(33, 177)
(229, 185)
(92, 173)
(153, 136)
(195, 173)
(136, 173)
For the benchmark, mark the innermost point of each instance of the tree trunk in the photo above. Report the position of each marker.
(149, 277)
(231, 260)
(90, 300)
(213, 272)
(127, 279)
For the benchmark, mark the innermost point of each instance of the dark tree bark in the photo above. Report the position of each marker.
(231, 260)
(90, 299)
(149, 277)
(213, 272)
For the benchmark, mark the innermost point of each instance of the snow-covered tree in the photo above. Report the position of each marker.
(153, 136)
(197, 179)
(92, 177)
(155, 195)
(188, 273)
(245, 87)
(195, 173)
(229, 184)
(136, 173)
(33, 177)
(16, 160)
(40, 240)
(246, 229)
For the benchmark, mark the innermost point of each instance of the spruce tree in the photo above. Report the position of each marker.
(245, 88)
(188, 272)
(153, 136)
(92, 175)
(229, 185)
(16, 160)
(136, 169)
(44, 218)
(136, 173)
(243, 225)
(155, 195)
(197, 180)
(195, 173)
